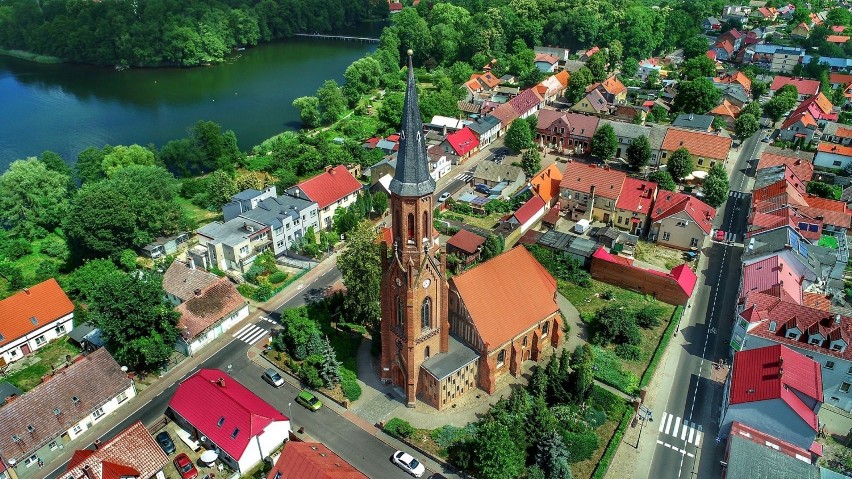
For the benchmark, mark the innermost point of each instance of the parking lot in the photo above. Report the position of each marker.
(217, 469)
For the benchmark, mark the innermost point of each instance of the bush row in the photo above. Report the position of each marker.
(661, 348)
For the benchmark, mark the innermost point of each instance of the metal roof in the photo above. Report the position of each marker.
(457, 356)
(412, 177)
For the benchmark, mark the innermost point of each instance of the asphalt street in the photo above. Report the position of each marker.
(686, 422)
(361, 449)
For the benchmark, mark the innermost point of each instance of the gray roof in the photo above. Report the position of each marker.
(81, 331)
(576, 245)
(628, 130)
(694, 122)
(182, 281)
(412, 177)
(733, 90)
(830, 128)
(484, 125)
(457, 356)
(246, 194)
(656, 136)
(767, 176)
(713, 20)
(7, 389)
(231, 233)
(488, 170)
(573, 65)
(748, 460)
(273, 211)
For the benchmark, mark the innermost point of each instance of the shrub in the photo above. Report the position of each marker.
(661, 347)
(263, 292)
(277, 277)
(349, 385)
(648, 317)
(615, 324)
(55, 247)
(595, 418)
(609, 453)
(246, 290)
(628, 352)
(445, 436)
(580, 445)
(399, 428)
(607, 295)
(253, 272)
(608, 370)
(608, 402)
(17, 248)
(310, 372)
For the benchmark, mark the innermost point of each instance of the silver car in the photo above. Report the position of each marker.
(272, 377)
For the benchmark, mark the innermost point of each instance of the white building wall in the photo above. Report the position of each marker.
(120, 400)
(326, 214)
(37, 339)
(532, 221)
(266, 443)
(223, 326)
(831, 160)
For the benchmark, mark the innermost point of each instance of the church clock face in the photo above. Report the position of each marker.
(426, 283)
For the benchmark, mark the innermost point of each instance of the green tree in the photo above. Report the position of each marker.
(518, 137)
(583, 378)
(696, 96)
(581, 79)
(664, 179)
(122, 156)
(82, 283)
(531, 162)
(753, 108)
(138, 324)
(821, 189)
(604, 142)
(332, 104)
(390, 112)
(695, 46)
(616, 50)
(54, 162)
(330, 371)
(459, 72)
(218, 150)
(758, 88)
(698, 67)
(680, 164)
(360, 266)
(493, 246)
(362, 77)
(221, 186)
(126, 211)
(639, 152)
(309, 112)
(616, 325)
(597, 66)
(746, 125)
(716, 186)
(89, 164)
(552, 457)
(496, 455)
(783, 100)
(33, 199)
(629, 67)
(653, 81)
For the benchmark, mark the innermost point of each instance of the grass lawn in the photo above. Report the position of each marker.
(588, 301)
(51, 355)
(199, 216)
(657, 255)
(827, 241)
(585, 469)
(484, 222)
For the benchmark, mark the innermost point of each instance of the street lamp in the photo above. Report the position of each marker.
(290, 415)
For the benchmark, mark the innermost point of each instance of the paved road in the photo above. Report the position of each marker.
(456, 180)
(686, 421)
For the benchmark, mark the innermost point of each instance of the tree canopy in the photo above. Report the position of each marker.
(716, 186)
(33, 199)
(604, 142)
(360, 266)
(639, 152)
(680, 164)
(696, 96)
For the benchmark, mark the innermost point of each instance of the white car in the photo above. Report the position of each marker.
(408, 463)
(444, 197)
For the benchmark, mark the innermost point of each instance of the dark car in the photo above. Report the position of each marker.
(185, 467)
(165, 441)
(482, 188)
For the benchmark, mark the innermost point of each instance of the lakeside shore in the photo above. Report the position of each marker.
(29, 56)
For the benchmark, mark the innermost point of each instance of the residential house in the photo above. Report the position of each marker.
(728, 112)
(566, 131)
(656, 136)
(385, 167)
(711, 24)
(545, 184)
(774, 389)
(633, 208)
(802, 30)
(819, 107)
(466, 246)
(680, 221)
(837, 133)
(527, 103)
(706, 149)
(572, 66)
(506, 114)
(838, 40)
(31, 318)
(647, 66)
(164, 245)
(773, 275)
(613, 91)
(246, 200)
(486, 129)
(797, 161)
(736, 13)
(546, 63)
(311, 460)
(207, 311)
(38, 424)
(585, 55)
(461, 143)
(626, 133)
(131, 454)
(734, 93)
(531, 325)
(834, 64)
(724, 50)
(737, 78)
(332, 189)
(493, 174)
(674, 287)
(785, 59)
(690, 121)
(590, 191)
(843, 81)
(561, 54)
(554, 86)
(528, 214)
(830, 155)
(799, 126)
(806, 88)
(440, 162)
(593, 103)
(231, 419)
(288, 218)
(768, 14)
(790, 191)
(787, 11)
(751, 454)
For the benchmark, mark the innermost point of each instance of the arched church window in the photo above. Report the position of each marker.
(426, 314)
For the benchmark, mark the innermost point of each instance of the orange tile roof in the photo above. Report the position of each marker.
(613, 85)
(705, 145)
(636, 195)
(803, 86)
(473, 85)
(726, 109)
(804, 117)
(505, 113)
(311, 460)
(840, 39)
(564, 77)
(843, 132)
(466, 241)
(131, 453)
(506, 296)
(737, 77)
(669, 203)
(840, 78)
(801, 168)
(583, 176)
(835, 149)
(546, 57)
(488, 79)
(208, 307)
(816, 301)
(546, 183)
(31, 309)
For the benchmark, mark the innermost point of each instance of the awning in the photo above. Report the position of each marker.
(700, 174)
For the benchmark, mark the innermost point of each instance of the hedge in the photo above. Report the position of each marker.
(609, 453)
(399, 428)
(661, 348)
(349, 384)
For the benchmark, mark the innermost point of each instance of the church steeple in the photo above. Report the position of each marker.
(412, 171)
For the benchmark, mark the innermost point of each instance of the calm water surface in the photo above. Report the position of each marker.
(66, 108)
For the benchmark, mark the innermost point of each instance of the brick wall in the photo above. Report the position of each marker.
(661, 287)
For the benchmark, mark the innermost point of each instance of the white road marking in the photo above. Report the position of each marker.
(663, 421)
(251, 334)
(686, 429)
(698, 439)
(676, 425)
(669, 424)
(691, 434)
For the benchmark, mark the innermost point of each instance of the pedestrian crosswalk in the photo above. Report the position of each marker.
(681, 432)
(465, 177)
(725, 237)
(737, 194)
(250, 333)
(268, 320)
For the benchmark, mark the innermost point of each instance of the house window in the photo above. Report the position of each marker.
(426, 314)
(59, 329)
(743, 323)
(53, 445)
(40, 340)
(122, 397)
(693, 242)
(244, 250)
(837, 163)
(76, 429)
(666, 236)
(426, 353)
(700, 161)
(816, 341)
(844, 387)
(398, 311)
(524, 342)
(849, 371)
(410, 227)
(829, 365)
(501, 358)
(31, 460)
(576, 195)
(545, 328)
(98, 412)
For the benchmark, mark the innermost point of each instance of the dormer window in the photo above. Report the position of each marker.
(792, 335)
(816, 341)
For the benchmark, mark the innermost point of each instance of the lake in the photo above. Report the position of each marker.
(66, 108)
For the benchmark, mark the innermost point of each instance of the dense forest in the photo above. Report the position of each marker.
(167, 32)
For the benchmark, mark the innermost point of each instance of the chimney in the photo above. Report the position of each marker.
(780, 373)
(329, 169)
(87, 470)
(221, 382)
(781, 361)
(97, 444)
(197, 291)
(837, 319)
(11, 398)
(27, 291)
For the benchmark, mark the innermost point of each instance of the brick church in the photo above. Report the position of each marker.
(440, 338)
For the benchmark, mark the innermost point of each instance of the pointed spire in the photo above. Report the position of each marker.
(412, 165)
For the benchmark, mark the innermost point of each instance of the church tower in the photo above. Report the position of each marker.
(414, 286)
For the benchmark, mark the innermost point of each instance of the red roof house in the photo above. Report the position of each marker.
(546, 184)
(462, 142)
(311, 460)
(776, 390)
(674, 287)
(232, 418)
(132, 453)
(685, 218)
(41, 311)
(526, 103)
(805, 87)
(529, 213)
(465, 245)
(772, 276)
(801, 168)
(333, 185)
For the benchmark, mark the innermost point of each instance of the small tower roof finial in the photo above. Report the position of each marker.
(410, 52)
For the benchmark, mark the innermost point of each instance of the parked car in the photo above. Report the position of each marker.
(444, 197)
(272, 377)
(408, 464)
(185, 467)
(482, 188)
(165, 442)
(305, 398)
(720, 235)
(437, 476)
